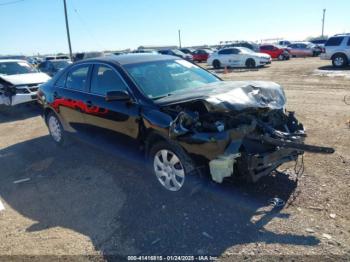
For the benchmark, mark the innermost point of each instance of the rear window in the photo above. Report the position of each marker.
(334, 41)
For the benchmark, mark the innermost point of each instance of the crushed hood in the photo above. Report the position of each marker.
(26, 79)
(232, 95)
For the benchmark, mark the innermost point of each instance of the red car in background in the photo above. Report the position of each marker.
(201, 55)
(275, 51)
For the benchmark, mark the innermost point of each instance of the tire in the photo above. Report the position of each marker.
(281, 57)
(250, 63)
(339, 60)
(216, 64)
(56, 130)
(175, 174)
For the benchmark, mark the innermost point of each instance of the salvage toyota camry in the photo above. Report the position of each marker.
(186, 120)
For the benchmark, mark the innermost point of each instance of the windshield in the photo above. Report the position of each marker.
(245, 50)
(60, 64)
(163, 78)
(178, 52)
(16, 68)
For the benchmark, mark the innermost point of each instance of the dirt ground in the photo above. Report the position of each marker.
(85, 200)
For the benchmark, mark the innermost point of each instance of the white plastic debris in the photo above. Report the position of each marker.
(21, 180)
(326, 236)
(332, 215)
(2, 207)
(310, 230)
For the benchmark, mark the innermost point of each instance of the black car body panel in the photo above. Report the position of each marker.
(220, 124)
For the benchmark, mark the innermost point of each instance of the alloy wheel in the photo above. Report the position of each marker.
(339, 61)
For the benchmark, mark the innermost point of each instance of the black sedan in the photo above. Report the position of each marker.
(182, 116)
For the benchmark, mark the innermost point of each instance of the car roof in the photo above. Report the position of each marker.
(135, 58)
(12, 60)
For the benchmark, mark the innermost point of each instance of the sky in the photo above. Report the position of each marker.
(37, 26)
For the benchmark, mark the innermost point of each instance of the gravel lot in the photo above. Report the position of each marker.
(85, 200)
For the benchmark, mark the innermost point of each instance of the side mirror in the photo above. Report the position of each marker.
(117, 96)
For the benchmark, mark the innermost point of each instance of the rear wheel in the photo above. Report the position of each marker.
(281, 57)
(250, 63)
(339, 60)
(216, 64)
(55, 128)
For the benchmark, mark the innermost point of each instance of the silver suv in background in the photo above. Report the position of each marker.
(337, 49)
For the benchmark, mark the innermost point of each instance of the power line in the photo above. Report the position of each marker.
(86, 27)
(11, 2)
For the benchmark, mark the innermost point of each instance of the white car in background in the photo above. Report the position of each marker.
(19, 82)
(238, 57)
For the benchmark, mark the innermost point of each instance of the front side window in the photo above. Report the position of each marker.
(77, 78)
(162, 78)
(334, 41)
(16, 68)
(348, 42)
(105, 79)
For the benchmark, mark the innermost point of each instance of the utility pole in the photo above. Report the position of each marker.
(324, 15)
(67, 27)
(179, 38)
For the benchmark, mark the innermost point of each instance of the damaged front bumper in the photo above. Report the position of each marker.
(253, 150)
(15, 95)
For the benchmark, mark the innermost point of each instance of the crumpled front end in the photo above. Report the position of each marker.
(238, 138)
(11, 95)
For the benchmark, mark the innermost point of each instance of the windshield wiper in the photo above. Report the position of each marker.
(160, 97)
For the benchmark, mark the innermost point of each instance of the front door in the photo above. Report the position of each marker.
(118, 120)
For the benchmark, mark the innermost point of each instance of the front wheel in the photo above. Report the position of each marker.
(281, 57)
(172, 167)
(250, 63)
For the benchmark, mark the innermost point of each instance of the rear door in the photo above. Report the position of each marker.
(236, 59)
(116, 119)
(70, 96)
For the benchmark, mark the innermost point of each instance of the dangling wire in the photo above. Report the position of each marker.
(299, 171)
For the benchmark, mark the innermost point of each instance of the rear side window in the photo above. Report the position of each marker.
(267, 47)
(61, 81)
(77, 78)
(105, 79)
(334, 41)
(226, 52)
(348, 42)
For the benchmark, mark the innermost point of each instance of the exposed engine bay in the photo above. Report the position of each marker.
(255, 140)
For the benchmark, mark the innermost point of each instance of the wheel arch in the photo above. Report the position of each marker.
(339, 53)
(150, 137)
